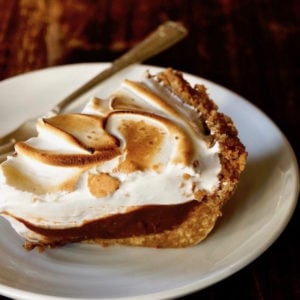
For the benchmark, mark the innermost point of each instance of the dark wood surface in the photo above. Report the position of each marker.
(251, 47)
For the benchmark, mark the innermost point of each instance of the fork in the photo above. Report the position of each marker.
(160, 39)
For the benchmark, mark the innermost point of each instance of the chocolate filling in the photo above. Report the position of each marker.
(150, 219)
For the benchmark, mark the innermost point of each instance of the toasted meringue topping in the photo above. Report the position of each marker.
(140, 146)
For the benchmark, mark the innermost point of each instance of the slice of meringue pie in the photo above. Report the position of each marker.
(152, 165)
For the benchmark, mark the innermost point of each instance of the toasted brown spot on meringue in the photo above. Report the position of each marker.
(101, 106)
(102, 185)
(17, 179)
(24, 182)
(158, 167)
(186, 176)
(146, 135)
(142, 142)
(122, 102)
(127, 166)
(96, 103)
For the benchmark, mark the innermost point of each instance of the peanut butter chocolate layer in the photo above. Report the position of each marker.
(151, 219)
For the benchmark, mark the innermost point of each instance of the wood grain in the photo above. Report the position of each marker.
(249, 46)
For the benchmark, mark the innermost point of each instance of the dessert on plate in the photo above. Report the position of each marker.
(152, 165)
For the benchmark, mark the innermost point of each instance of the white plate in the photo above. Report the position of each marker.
(253, 219)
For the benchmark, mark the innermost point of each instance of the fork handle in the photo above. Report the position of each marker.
(162, 38)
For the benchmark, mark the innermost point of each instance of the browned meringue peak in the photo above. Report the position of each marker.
(25, 182)
(120, 101)
(149, 141)
(66, 160)
(158, 96)
(152, 98)
(84, 132)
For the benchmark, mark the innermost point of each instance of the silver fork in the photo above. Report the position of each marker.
(160, 39)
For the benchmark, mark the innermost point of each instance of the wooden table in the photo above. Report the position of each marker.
(249, 46)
